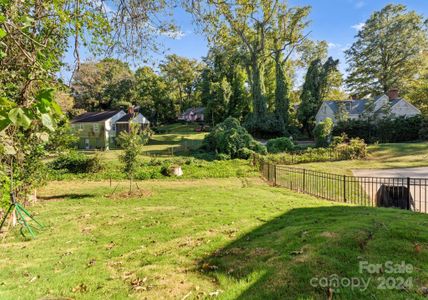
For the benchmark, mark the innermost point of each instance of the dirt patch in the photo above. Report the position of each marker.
(120, 195)
(328, 234)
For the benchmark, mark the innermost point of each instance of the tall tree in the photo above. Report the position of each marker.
(222, 76)
(182, 73)
(314, 91)
(153, 94)
(102, 85)
(249, 24)
(387, 50)
(417, 88)
(245, 22)
(286, 35)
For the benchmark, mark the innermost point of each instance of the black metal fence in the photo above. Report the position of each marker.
(401, 192)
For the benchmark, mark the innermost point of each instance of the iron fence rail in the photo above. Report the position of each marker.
(403, 192)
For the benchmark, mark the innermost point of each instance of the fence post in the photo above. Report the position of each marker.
(304, 180)
(344, 188)
(408, 193)
(274, 175)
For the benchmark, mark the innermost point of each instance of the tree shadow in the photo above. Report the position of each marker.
(278, 259)
(71, 196)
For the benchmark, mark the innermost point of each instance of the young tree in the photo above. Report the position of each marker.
(132, 143)
(387, 51)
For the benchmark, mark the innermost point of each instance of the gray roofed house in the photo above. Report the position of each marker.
(354, 109)
(98, 130)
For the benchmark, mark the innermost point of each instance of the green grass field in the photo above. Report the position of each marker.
(381, 156)
(191, 239)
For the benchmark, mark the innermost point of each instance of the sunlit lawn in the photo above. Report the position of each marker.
(230, 238)
(381, 156)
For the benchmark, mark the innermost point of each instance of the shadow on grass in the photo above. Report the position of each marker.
(72, 196)
(278, 259)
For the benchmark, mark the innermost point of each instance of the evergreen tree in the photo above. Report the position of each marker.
(315, 88)
(387, 51)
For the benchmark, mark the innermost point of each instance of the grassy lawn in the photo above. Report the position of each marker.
(381, 156)
(234, 238)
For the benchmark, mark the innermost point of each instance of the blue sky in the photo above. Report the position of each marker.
(335, 21)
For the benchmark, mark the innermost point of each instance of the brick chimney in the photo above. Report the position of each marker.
(393, 94)
(130, 110)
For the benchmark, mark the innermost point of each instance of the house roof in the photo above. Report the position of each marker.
(355, 107)
(137, 117)
(125, 118)
(195, 110)
(95, 116)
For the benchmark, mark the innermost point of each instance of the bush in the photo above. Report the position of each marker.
(282, 144)
(423, 131)
(355, 149)
(76, 162)
(245, 153)
(229, 137)
(386, 130)
(322, 133)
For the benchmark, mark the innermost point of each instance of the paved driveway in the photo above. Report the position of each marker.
(402, 172)
(397, 177)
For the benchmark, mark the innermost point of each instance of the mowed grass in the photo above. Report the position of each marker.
(381, 156)
(225, 238)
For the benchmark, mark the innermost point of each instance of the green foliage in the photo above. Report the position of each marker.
(282, 144)
(378, 60)
(322, 133)
(182, 74)
(318, 82)
(132, 143)
(153, 94)
(423, 131)
(258, 28)
(352, 149)
(386, 130)
(102, 85)
(229, 137)
(355, 149)
(76, 162)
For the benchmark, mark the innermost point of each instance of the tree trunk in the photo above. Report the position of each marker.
(281, 94)
(258, 90)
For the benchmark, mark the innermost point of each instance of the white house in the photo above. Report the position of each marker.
(354, 109)
(98, 130)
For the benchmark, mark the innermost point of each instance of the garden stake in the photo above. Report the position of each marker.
(20, 212)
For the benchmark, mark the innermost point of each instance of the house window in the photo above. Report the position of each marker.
(96, 127)
(80, 126)
(114, 127)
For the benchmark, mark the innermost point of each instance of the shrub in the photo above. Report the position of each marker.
(385, 130)
(355, 149)
(322, 133)
(282, 144)
(229, 137)
(423, 131)
(76, 162)
(245, 153)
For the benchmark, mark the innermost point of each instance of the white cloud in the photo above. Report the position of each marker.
(360, 4)
(333, 45)
(358, 26)
(174, 34)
